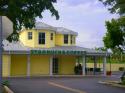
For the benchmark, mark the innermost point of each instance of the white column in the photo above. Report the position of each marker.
(84, 65)
(28, 65)
(95, 65)
(104, 65)
(51, 66)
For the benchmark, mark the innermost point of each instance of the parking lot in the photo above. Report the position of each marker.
(88, 84)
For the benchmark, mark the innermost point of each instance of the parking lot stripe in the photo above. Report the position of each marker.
(65, 87)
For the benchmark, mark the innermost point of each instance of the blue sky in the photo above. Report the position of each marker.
(87, 17)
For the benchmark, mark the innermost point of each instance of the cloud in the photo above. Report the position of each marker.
(87, 17)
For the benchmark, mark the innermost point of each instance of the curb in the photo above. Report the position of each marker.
(112, 83)
(7, 90)
(55, 76)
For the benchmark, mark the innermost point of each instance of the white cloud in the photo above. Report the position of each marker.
(87, 18)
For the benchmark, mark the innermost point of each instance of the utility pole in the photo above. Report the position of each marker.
(1, 54)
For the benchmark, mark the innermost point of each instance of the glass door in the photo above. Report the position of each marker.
(55, 65)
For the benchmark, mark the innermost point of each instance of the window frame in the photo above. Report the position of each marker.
(66, 38)
(30, 35)
(42, 38)
(74, 40)
(71, 39)
(51, 36)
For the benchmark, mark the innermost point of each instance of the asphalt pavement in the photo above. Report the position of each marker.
(88, 84)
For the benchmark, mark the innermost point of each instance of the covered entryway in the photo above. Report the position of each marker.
(63, 65)
(98, 64)
(57, 61)
(67, 64)
(94, 65)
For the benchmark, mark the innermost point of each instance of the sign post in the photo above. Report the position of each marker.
(0, 54)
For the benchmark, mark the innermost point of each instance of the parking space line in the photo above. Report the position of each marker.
(65, 87)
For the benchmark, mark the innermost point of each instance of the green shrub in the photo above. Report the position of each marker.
(91, 69)
(121, 68)
(123, 81)
(6, 83)
(98, 69)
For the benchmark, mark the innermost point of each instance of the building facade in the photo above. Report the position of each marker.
(46, 50)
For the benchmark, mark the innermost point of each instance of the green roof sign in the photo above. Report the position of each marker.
(57, 52)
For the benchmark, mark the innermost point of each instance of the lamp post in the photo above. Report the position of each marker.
(0, 54)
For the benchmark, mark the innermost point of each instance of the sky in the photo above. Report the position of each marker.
(87, 17)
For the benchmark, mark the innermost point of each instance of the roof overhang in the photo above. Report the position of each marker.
(56, 52)
(98, 54)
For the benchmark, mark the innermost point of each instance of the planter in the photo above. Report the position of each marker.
(108, 73)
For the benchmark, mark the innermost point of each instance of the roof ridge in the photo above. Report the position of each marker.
(45, 24)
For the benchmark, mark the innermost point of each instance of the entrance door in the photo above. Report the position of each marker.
(55, 65)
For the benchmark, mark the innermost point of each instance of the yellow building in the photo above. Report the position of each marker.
(46, 50)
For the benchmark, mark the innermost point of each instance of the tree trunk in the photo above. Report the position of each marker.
(121, 57)
(0, 54)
